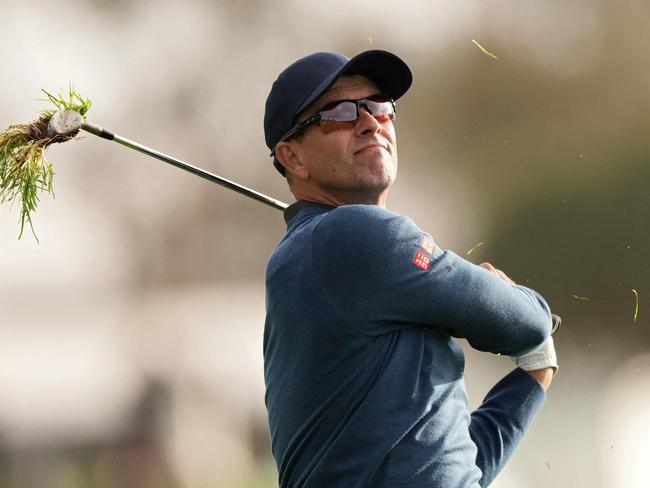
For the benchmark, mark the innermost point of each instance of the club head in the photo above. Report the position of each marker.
(65, 122)
(557, 321)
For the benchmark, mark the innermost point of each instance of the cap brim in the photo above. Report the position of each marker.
(391, 75)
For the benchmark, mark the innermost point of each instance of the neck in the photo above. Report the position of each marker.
(342, 198)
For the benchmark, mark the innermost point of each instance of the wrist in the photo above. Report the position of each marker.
(543, 376)
(542, 357)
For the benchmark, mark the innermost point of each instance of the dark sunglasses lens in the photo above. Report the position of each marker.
(341, 112)
(380, 109)
(379, 106)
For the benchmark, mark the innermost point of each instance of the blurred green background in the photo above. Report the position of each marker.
(131, 336)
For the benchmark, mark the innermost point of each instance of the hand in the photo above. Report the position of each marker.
(541, 362)
(497, 272)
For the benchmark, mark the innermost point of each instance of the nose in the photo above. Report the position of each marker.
(366, 124)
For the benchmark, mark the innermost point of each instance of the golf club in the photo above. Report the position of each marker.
(65, 122)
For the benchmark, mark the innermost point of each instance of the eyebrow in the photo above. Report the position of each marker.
(324, 101)
(330, 97)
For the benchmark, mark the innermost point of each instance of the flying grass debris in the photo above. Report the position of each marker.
(24, 169)
(484, 50)
(636, 306)
(476, 246)
(586, 299)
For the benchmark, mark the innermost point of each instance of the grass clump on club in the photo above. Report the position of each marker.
(24, 169)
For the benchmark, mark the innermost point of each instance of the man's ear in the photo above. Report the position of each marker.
(291, 160)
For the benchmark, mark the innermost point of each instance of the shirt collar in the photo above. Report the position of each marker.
(294, 209)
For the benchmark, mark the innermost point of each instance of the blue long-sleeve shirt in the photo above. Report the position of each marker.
(364, 379)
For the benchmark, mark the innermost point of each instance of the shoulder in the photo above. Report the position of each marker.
(360, 221)
(363, 230)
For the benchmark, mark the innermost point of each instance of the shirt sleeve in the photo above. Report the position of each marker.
(500, 422)
(381, 272)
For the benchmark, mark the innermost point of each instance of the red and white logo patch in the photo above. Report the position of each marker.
(421, 260)
(427, 244)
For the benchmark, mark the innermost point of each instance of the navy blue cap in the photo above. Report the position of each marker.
(303, 82)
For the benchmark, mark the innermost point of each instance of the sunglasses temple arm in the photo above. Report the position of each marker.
(260, 197)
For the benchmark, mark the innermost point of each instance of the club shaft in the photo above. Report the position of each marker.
(260, 197)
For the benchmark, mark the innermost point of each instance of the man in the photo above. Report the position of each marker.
(364, 377)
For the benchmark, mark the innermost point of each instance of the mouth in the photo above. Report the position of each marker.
(375, 145)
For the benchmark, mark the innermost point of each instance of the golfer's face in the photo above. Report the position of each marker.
(351, 158)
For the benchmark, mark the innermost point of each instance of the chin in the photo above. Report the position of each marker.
(373, 188)
(384, 176)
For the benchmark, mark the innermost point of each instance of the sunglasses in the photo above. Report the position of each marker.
(380, 106)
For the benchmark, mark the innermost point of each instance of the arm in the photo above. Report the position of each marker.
(368, 262)
(500, 422)
(541, 362)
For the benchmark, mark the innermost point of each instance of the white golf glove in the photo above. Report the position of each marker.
(543, 356)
